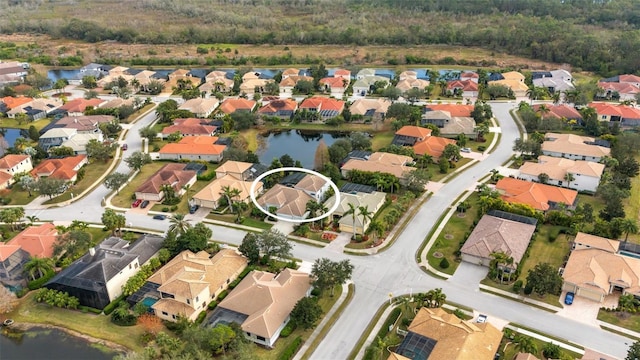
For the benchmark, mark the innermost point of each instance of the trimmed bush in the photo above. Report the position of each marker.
(222, 295)
(212, 305)
(288, 329)
(528, 289)
(37, 283)
(87, 309)
(291, 350)
(316, 292)
(128, 320)
(201, 317)
(482, 148)
(112, 305)
(444, 263)
(517, 286)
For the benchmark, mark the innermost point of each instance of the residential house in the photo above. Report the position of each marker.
(408, 80)
(34, 241)
(77, 107)
(282, 108)
(336, 85)
(373, 201)
(262, 302)
(586, 174)
(217, 81)
(181, 75)
(598, 267)
(554, 81)
(93, 69)
(365, 79)
(84, 124)
(55, 137)
(514, 81)
(343, 73)
(469, 76)
(525, 356)
(623, 115)
(287, 73)
(36, 109)
(12, 72)
(13, 164)
(117, 103)
(290, 203)
(421, 141)
(195, 148)
(173, 175)
(230, 106)
(96, 279)
(573, 147)
(539, 196)
(456, 110)
(626, 87)
(314, 186)
(146, 77)
(465, 88)
(114, 74)
(365, 73)
(326, 107)
(189, 127)
(393, 164)
(64, 168)
(78, 143)
(10, 102)
(288, 83)
(450, 126)
(629, 79)
(437, 334)
(200, 107)
(495, 234)
(234, 175)
(252, 83)
(188, 282)
(559, 111)
(374, 109)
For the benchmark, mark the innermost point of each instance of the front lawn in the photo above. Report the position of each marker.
(248, 221)
(17, 196)
(183, 205)
(436, 175)
(14, 124)
(508, 350)
(138, 113)
(125, 197)
(381, 140)
(625, 320)
(97, 326)
(93, 172)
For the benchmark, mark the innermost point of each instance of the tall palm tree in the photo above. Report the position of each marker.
(629, 226)
(556, 96)
(435, 298)
(352, 212)
(568, 177)
(230, 193)
(39, 265)
(79, 225)
(393, 183)
(179, 224)
(313, 207)
(525, 344)
(32, 219)
(366, 216)
(377, 229)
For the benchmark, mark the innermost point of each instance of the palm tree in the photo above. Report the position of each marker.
(313, 207)
(556, 97)
(568, 177)
(571, 96)
(352, 212)
(377, 229)
(366, 216)
(178, 224)
(394, 182)
(629, 226)
(79, 225)
(380, 181)
(32, 219)
(543, 110)
(525, 344)
(230, 193)
(38, 265)
(435, 298)
(323, 210)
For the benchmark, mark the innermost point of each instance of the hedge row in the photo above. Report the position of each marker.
(201, 317)
(37, 283)
(113, 305)
(384, 330)
(291, 350)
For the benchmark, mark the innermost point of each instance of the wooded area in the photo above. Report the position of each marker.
(594, 35)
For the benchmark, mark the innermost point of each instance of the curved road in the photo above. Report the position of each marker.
(393, 271)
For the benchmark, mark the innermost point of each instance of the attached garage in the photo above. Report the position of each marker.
(585, 291)
(475, 260)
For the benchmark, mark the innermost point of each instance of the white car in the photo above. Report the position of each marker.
(465, 150)
(481, 319)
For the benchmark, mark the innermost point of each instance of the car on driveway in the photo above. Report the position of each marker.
(193, 209)
(144, 204)
(481, 319)
(124, 147)
(568, 298)
(136, 203)
(159, 217)
(465, 150)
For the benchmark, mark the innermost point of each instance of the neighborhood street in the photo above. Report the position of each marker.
(393, 271)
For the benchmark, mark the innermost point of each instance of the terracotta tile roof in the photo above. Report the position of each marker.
(279, 105)
(11, 160)
(7, 250)
(230, 106)
(322, 103)
(493, 234)
(456, 339)
(37, 240)
(311, 183)
(597, 242)
(13, 102)
(535, 195)
(453, 109)
(79, 105)
(465, 85)
(170, 174)
(334, 82)
(469, 74)
(213, 190)
(381, 162)
(432, 145)
(557, 168)
(290, 72)
(59, 168)
(629, 78)
(5, 178)
(627, 112)
(573, 144)
(289, 201)
(190, 126)
(267, 299)
(342, 72)
(621, 88)
(194, 145)
(414, 131)
(560, 111)
(294, 79)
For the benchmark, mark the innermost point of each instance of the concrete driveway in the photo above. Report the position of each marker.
(468, 274)
(284, 227)
(584, 310)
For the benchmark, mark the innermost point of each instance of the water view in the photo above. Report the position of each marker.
(299, 144)
(41, 343)
(10, 135)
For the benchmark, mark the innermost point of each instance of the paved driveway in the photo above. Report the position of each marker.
(469, 274)
(584, 310)
(284, 227)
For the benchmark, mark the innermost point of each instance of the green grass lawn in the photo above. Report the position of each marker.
(632, 204)
(436, 175)
(93, 171)
(625, 320)
(508, 350)
(455, 229)
(97, 326)
(381, 140)
(13, 123)
(183, 205)
(256, 223)
(473, 145)
(18, 196)
(124, 198)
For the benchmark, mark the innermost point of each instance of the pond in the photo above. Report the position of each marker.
(41, 343)
(10, 135)
(299, 144)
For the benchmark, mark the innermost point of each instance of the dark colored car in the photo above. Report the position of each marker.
(124, 147)
(568, 298)
(144, 204)
(159, 217)
(193, 209)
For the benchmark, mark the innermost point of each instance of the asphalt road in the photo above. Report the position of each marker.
(393, 271)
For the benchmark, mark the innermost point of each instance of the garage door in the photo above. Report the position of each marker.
(590, 294)
(475, 260)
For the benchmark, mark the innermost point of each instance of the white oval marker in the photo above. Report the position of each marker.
(273, 171)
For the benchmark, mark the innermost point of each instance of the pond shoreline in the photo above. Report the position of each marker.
(22, 326)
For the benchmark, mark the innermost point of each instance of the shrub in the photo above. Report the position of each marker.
(528, 289)
(37, 283)
(291, 350)
(222, 295)
(316, 292)
(288, 329)
(127, 320)
(112, 305)
(482, 148)
(553, 234)
(86, 309)
(201, 317)
(459, 314)
(384, 330)
(165, 209)
(517, 286)
(444, 263)
(212, 305)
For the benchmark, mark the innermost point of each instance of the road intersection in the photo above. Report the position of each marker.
(392, 271)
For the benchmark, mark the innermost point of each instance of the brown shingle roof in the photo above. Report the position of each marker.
(192, 126)
(557, 168)
(310, 183)
(233, 167)
(213, 191)
(170, 174)
(381, 162)
(267, 299)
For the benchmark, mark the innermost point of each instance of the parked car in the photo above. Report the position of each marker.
(136, 203)
(465, 150)
(144, 204)
(124, 147)
(159, 217)
(568, 298)
(481, 319)
(193, 209)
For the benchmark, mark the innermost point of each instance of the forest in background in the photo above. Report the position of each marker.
(591, 35)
